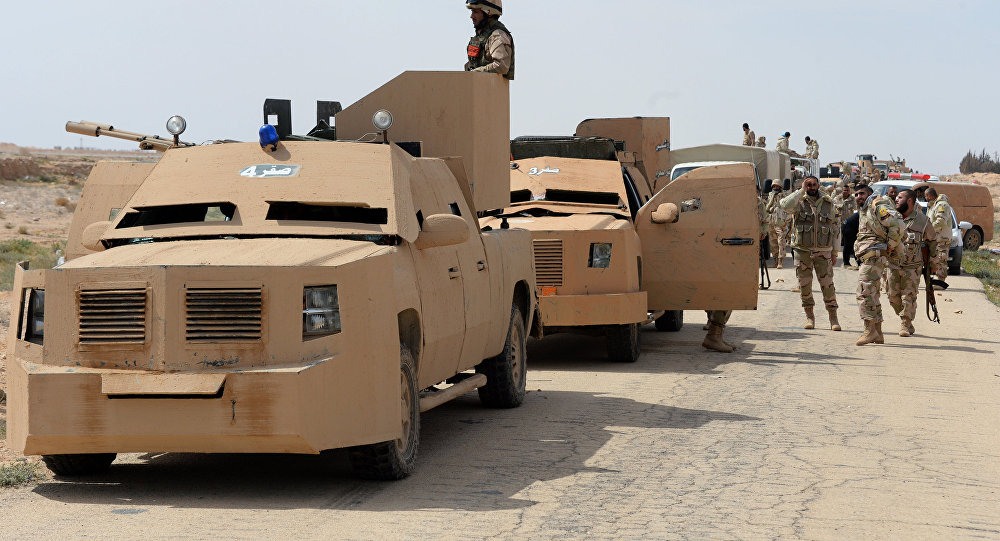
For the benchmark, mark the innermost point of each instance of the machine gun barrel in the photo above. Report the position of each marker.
(146, 142)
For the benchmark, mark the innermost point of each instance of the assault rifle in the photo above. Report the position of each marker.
(931, 303)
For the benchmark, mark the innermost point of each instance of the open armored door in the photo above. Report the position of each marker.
(109, 186)
(708, 258)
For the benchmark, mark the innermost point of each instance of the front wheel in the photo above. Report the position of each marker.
(75, 465)
(392, 460)
(506, 374)
(670, 321)
(623, 343)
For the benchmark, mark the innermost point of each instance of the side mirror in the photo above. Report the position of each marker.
(91, 238)
(964, 226)
(442, 230)
(666, 213)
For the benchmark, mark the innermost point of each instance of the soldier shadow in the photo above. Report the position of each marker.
(470, 458)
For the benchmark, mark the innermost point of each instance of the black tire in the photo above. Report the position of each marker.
(670, 321)
(973, 239)
(507, 373)
(77, 465)
(623, 343)
(955, 265)
(395, 459)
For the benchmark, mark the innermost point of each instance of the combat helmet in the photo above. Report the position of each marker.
(489, 7)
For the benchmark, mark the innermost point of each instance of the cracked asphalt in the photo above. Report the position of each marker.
(798, 435)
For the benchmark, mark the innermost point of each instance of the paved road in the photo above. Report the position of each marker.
(798, 435)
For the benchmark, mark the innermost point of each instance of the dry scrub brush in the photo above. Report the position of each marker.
(980, 163)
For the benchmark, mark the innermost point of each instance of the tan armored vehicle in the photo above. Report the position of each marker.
(281, 297)
(610, 254)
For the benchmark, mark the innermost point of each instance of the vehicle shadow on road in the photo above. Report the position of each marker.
(470, 458)
(673, 352)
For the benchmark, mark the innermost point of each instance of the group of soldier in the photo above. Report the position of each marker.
(894, 240)
(750, 140)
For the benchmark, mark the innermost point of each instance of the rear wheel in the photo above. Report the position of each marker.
(973, 239)
(623, 343)
(391, 460)
(74, 465)
(670, 321)
(507, 373)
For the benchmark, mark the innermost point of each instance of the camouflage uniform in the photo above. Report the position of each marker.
(777, 227)
(749, 138)
(940, 217)
(760, 142)
(812, 150)
(491, 50)
(813, 222)
(879, 224)
(782, 145)
(904, 274)
(845, 207)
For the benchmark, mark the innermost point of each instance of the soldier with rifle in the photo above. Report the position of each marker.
(904, 274)
(879, 235)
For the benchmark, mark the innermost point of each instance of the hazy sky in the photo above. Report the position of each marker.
(915, 78)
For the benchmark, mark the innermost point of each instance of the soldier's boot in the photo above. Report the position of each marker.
(870, 335)
(713, 340)
(810, 318)
(834, 324)
(880, 338)
(780, 260)
(905, 327)
(909, 327)
(707, 325)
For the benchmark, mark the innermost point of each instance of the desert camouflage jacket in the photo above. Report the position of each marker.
(880, 224)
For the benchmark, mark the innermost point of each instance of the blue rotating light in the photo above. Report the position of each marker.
(268, 137)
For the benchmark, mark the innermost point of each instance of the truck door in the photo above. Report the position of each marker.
(442, 292)
(109, 186)
(708, 258)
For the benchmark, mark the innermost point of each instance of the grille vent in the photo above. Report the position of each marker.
(223, 315)
(115, 316)
(548, 262)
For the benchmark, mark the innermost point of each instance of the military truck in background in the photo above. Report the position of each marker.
(768, 164)
(610, 253)
(288, 296)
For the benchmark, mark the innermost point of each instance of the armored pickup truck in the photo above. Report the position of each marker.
(610, 254)
(275, 297)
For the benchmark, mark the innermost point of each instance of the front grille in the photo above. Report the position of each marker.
(115, 316)
(223, 315)
(548, 262)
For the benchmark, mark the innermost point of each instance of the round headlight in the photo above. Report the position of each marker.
(176, 125)
(382, 120)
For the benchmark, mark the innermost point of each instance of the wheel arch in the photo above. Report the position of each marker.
(410, 332)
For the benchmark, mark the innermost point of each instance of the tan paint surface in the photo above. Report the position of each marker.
(460, 114)
(647, 137)
(685, 264)
(109, 186)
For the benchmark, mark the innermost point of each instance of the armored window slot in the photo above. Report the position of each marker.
(420, 219)
(288, 210)
(453, 207)
(520, 196)
(178, 214)
(590, 198)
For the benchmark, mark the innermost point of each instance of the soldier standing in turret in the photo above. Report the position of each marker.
(879, 237)
(761, 142)
(491, 50)
(813, 223)
(939, 212)
(812, 148)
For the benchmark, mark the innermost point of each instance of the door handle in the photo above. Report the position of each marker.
(481, 265)
(736, 241)
(454, 273)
